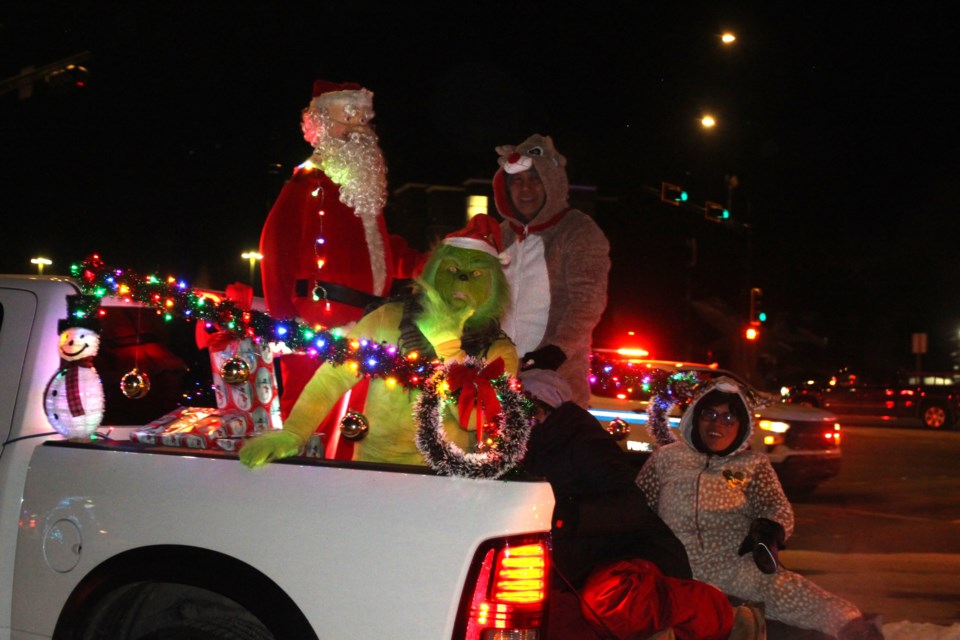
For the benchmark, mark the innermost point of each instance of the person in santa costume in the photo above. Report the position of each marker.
(326, 250)
(559, 263)
(452, 315)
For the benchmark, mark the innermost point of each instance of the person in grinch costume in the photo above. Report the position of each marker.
(559, 263)
(325, 247)
(454, 313)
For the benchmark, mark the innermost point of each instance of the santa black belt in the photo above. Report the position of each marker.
(323, 290)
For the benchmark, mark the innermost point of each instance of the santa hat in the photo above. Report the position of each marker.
(82, 311)
(326, 92)
(482, 233)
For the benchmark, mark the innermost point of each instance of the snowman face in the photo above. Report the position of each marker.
(261, 422)
(242, 396)
(77, 343)
(264, 385)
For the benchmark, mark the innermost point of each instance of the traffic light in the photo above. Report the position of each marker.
(751, 333)
(715, 211)
(757, 314)
(672, 194)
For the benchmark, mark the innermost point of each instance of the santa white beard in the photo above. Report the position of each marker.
(356, 165)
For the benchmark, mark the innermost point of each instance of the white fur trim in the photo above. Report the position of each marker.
(464, 242)
(359, 97)
(523, 164)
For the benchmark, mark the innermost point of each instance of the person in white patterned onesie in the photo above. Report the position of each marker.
(727, 506)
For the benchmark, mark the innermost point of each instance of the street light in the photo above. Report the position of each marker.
(252, 256)
(41, 263)
(728, 38)
(708, 121)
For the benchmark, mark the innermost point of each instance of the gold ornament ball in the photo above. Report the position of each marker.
(135, 384)
(235, 371)
(354, 426)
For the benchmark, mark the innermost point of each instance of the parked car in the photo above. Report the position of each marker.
(803, 442)
(931, 398)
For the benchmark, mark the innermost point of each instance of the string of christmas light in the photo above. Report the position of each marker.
(175, 299)
(613, 376)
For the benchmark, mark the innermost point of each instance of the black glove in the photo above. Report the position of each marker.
(549, 357)
(765, 540)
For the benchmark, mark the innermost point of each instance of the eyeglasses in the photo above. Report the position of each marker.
(712, 416)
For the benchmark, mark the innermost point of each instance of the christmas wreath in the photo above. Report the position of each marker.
(666, 391)
(502, 443)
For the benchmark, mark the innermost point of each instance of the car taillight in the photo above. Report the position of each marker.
(833, 435)
(506, 593)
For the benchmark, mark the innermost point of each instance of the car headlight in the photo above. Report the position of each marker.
(773, 425)
(774, 431)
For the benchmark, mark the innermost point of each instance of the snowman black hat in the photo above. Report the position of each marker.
(82, 311)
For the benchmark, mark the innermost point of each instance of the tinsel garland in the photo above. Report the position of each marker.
(666, 391)
(508, 447)
(173, 298)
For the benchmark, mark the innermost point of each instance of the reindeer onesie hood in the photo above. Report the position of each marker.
(558, 266)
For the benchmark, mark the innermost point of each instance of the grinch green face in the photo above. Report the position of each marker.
(463, 281)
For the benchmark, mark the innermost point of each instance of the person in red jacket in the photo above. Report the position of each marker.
(326, 250)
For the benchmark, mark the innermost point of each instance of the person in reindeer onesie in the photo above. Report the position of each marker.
(326, 250)
(559, 260)
(454, 313)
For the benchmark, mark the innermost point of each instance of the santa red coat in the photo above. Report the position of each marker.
(289, 269)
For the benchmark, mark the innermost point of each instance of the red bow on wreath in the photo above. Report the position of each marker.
(242, 296)
(476, 390)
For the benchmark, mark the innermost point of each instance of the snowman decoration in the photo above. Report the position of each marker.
(73, 400)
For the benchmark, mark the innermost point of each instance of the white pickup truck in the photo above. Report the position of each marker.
(115, 539)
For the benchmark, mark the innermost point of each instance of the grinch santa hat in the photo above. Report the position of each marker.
(482, 233)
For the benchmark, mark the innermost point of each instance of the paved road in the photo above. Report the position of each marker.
(885, 533)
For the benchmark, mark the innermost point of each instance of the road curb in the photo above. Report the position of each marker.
(915, 587)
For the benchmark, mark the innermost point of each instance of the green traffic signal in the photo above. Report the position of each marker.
(757, 314)
(715, 211)
(672, 194)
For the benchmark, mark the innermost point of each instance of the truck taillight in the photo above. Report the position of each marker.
(506, 591)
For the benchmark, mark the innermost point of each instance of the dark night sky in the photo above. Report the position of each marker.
(840, 123)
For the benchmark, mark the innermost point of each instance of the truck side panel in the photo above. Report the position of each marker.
(29, 310)
(363, 553)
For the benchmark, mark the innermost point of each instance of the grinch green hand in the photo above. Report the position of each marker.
(269, 446)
